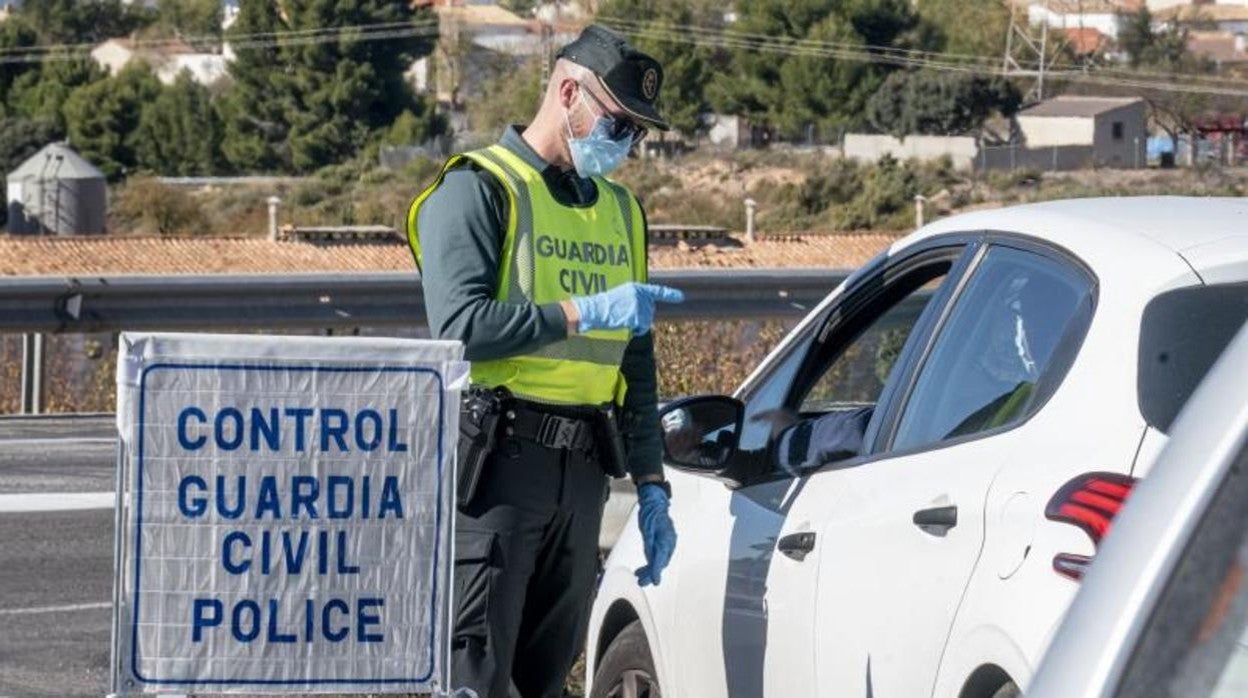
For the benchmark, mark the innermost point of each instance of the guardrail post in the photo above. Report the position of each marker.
(32, 372)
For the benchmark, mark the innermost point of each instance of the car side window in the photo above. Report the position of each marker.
(856, 375)
(768, 396)
(1001, 338)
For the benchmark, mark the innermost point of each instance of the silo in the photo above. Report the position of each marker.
(56, 192)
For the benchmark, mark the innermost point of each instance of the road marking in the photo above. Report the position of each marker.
(55, 501)
(52, 441)
(54, 609)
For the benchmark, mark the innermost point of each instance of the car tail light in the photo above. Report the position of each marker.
(1090, 501)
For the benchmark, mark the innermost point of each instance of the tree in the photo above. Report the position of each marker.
(968, 27)
(193, 18)
(300, 106)
(686, 68)
(254, 118)
(508, 96)
(179, 133)
(84, 21)
(942, 104)
(102, 117)
(1166, 48)
(20, 138)
(41, 94)
(15, 33)
(811, 90)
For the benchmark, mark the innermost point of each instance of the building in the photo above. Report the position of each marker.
(1105, 16)
(168, 58)
(1113, 129)
(1224, 16)
(477, 39)
(1221, 47)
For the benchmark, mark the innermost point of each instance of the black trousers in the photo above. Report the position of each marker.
(526, 561)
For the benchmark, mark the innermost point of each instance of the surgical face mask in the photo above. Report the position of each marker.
(596, 153)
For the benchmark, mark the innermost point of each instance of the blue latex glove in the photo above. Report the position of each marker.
(658, 535)
(628, 306)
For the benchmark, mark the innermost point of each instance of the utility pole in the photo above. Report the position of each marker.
(546, 16)
(1026, 55)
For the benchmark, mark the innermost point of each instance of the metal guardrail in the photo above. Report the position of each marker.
(384, 299)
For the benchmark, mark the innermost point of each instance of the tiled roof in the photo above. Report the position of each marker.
(1216, 46)
(106, 255)
(1085, 40)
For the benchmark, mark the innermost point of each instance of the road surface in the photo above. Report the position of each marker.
(56, 555)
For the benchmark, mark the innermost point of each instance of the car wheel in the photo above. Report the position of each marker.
(626, 669)
(1009, 690)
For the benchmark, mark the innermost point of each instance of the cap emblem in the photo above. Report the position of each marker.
(650, 84)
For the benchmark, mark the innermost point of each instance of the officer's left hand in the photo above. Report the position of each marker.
(658, 535)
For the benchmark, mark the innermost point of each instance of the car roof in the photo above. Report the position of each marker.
(1175, 222)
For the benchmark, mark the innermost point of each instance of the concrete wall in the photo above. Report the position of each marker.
(1128, 150)
(1046, 131)
(863, 146)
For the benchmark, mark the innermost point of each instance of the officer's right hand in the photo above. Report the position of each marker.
(628, 306)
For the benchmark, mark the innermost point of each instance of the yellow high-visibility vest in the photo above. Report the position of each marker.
(550, 253)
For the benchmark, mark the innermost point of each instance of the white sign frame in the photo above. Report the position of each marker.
(147, 354)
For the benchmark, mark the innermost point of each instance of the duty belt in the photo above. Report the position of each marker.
(548, 429)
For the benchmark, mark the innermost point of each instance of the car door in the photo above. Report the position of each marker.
(897, 532)
(767, 625)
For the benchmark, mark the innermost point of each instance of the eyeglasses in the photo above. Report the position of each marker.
(618, 127)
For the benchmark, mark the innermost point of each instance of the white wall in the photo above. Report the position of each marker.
(1106, 23)
(1043, 131)
(864, 146)
(205, 68)
(111, 56)
(1130, 149)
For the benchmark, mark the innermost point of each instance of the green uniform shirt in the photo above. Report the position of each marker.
(464, 220)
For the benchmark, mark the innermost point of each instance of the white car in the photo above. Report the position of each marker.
(901, 498)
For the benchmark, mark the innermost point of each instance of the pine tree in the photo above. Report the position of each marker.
(41, 94)
(179, 132)
(301, 106)
(103, 117)
(84, 21)
(15, 33)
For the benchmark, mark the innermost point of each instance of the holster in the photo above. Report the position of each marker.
(479, 413)
(611, 451)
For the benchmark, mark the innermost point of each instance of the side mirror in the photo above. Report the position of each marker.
(701, 433)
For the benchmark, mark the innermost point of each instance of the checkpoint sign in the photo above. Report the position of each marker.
(287, 519)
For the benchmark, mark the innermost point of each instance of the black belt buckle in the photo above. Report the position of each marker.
(560, 432)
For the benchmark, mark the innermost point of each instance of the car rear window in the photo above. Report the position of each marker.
(1183, 332)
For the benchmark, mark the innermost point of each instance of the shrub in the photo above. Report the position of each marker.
(146, 206)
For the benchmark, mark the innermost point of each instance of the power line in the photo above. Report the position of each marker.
(983, 65)
(362, 32)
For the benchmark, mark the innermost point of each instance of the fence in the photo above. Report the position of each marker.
(1051, 158)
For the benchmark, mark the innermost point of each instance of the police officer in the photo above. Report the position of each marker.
(537, 262)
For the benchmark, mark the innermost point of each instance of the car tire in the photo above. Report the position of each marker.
(1009, 690)
(626, 668)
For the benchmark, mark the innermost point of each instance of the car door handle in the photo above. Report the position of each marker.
(797, 545)
(937, 520)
